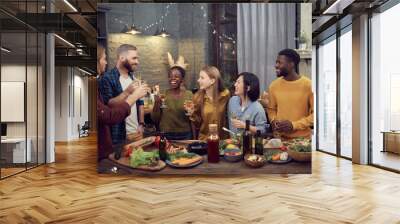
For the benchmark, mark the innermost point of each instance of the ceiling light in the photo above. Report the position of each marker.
(163, 33)
(132, 30)
(70, 5)
(65, 41)
(5, 50)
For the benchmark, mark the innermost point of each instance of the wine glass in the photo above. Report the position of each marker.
(233, 116)
(162, 97)
(188, 105)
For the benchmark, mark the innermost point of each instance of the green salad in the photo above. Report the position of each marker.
(301, 148)
(142, 158)
(179, 154)
(299, 144)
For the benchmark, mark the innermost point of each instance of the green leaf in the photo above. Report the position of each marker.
(141, 158)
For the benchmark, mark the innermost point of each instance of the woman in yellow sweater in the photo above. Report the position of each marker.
(209, 103)
(290, 98)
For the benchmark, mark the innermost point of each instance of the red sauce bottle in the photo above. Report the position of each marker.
(213, 144)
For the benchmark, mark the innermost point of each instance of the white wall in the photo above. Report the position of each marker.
(16, 73)
(70, 83)
(34, 125)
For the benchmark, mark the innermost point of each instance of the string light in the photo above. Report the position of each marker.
(167, 12)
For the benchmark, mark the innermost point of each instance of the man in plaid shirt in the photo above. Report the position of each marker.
(115, 86)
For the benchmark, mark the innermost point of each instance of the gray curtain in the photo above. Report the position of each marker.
(263, 30)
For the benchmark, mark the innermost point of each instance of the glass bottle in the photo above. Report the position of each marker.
(162, 147)
(259, 148)
(213, 144)
(247, 143)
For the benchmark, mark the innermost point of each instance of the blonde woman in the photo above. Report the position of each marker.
(209, 103)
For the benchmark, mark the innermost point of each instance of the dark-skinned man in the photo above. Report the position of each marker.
(290, 98)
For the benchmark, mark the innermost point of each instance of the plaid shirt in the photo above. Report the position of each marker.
(110, 87)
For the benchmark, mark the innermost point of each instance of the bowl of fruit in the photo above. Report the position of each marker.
(228, 144)
(233, 155)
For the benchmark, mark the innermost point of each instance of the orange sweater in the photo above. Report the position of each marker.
(293, 101)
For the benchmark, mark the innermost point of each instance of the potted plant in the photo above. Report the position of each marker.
(303, 41)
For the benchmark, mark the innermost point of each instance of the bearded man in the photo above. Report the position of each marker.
(113, 84)
(290, 98)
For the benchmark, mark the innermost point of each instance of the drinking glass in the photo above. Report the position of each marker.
(163, 105)
(188, 105)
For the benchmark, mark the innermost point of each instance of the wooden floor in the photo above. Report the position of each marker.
(70, 191)
(10, 171)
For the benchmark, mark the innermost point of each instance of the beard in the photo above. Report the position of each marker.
(283, 72)
(127, 66)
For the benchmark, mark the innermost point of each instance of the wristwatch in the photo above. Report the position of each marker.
(142, 123)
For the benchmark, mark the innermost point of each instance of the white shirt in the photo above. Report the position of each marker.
(131, 122)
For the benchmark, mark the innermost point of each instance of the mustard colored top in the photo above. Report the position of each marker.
(210, 113)
(293, 101)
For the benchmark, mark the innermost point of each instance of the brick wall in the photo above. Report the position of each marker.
(190, 38)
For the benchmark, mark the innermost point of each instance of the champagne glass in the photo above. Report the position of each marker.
(162, 97)
(143, 82)
(156, 90)
(188, 105)
(138, 76)
(233, 116)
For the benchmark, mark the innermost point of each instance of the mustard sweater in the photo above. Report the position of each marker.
(293, 101)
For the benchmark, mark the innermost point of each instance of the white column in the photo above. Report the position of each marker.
(360, 90)
(50, 99)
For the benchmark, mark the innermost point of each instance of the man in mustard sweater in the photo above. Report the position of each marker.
(290, 106)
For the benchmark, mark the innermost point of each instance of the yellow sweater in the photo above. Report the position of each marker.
(293, 101)
(206, 112)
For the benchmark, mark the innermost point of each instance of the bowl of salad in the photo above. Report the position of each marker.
(300, 150)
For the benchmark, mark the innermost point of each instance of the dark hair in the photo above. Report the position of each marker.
(124, 48)
(179, 68)
(251, 80)
(292, 55)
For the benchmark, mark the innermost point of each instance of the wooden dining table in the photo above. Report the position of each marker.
(223, 167)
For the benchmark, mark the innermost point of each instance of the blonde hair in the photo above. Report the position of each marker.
(218, 87)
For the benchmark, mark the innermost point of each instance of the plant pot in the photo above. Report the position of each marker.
(303, 46)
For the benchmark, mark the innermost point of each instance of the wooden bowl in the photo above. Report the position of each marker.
(299, 156)
(254, 164)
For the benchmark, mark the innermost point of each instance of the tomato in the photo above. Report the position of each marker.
(283, 148)
(157, 141)
(128, 151)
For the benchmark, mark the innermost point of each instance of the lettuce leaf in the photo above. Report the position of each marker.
(142, 158)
